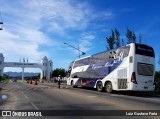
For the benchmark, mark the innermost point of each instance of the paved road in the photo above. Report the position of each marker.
(23, 96)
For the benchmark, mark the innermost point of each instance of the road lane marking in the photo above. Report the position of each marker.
(26, 97)
(34, 105)
(140, 98)
(92, 96)
(148, 99)
(22, 92)
(114, 95)
(123, 106)
(30, 101)
(158, 100)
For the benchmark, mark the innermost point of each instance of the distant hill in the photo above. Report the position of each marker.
(19, 74)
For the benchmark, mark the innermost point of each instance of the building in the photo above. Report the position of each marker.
(45, 66)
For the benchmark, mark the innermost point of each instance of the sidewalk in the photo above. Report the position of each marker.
(45, 84)
(63, 85)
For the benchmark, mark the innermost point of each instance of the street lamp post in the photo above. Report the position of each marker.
(83, 53)
(1, 22)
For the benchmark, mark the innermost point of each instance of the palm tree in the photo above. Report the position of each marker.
(159, 60)
(129, 35)
(140, 38)
(111, 41)
(117, 38)
(122, 42)
(133, 38)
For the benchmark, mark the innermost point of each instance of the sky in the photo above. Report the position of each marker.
(36, 28)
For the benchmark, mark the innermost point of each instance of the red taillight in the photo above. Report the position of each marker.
(133, 78)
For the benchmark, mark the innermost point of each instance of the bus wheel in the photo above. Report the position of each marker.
(108, 87)
(72, 84)
(99, 86)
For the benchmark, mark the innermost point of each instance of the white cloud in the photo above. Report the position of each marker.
(68, 14)
(86, 42)
(62, 12)
(21, 35)
(13, 48)
(28, 25)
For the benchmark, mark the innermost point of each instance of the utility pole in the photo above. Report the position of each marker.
(1, 22)
(79, 51)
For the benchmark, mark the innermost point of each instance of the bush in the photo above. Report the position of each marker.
(157, 80)
(4, 79)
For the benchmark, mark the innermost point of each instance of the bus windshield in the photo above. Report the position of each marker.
(69, 69)
(142, 49)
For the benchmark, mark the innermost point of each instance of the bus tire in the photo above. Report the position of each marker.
(72, 84)
(99, 86)
(108, 87)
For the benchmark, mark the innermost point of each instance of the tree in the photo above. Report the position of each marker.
(157, 80)
(159, 60)
(117, 38)
(131, 36)
(140, 38)
(59, 71)
(5, 76)
(0, 78)
(122, 42)
(157, 77)
(111, 41)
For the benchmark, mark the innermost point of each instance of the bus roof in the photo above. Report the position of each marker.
(99, 53)
(110, 50)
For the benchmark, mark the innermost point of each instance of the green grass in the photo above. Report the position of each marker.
(5, 80)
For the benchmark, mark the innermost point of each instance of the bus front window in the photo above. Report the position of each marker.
(142, 49)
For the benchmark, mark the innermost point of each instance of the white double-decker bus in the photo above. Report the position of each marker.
(128, 68)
